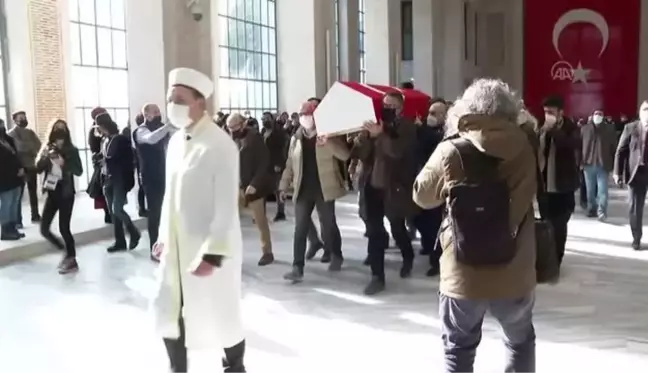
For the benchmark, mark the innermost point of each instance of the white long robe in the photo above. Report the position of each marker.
(200, 216)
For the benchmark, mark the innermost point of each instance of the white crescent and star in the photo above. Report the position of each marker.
(581, 15)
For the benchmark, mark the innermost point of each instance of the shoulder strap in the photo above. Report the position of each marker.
(476, 165)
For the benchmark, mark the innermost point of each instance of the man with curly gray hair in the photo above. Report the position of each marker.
(483, 123)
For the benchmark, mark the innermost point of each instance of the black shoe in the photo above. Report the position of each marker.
(406, 269)
(234, 358)
(117, 248)
(36, 219)
(15, 229)
(636, 245)
(142, 213)
(19, 226)
(326, 257)
(9, 234)
(279, 217)
(68, 265)
(107, 219)
(336, 263)
(295, 276)
(432, 272)
(366, 261)
(313, 248)
(134, 240)
(591, 214)
(266, 259)
(376, 285)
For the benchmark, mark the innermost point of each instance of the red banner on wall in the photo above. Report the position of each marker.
(587, 51)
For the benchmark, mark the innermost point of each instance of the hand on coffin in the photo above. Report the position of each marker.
(373, 128)
(322, 140)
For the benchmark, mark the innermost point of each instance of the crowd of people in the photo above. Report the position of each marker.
(464, 179)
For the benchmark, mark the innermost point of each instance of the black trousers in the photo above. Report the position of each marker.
(141, 199)
(428, 223)
(177, 353)
(116, 199)
(63, 205)
(154, 199)
(557, 209)
(583, 190)
(304, 227)
(377, 239)
(32, 189)
(636, 203)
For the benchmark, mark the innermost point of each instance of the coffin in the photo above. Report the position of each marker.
(347, 105)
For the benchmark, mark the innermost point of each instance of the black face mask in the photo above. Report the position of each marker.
(388, 115)
(3, 131)
(267, 124)
(59, 134)
(239, 134)
(22, 123)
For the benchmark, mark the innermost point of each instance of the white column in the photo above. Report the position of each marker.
(306, 65)
(20, 82)
(426, 49)
(383, 41)
(144, 37)
(349, 45)
(643, 57)
(452, 77)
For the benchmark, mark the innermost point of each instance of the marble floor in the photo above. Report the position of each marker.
(596, 319)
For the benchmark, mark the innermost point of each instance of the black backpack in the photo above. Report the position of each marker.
(478, 210)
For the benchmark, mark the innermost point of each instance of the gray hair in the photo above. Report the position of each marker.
(235, 118)
(487, 97)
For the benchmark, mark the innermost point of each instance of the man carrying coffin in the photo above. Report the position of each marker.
(200, 244)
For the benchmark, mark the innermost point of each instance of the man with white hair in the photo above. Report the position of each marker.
(200, 243)
(486, 173)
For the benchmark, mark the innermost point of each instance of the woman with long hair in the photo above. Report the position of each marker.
(59, 160)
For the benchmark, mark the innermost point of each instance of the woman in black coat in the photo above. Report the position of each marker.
(11, 181)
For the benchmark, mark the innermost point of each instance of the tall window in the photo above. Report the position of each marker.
(248, 56)
(99, 65)
(4, 109)
(407, 33)
(361, 41)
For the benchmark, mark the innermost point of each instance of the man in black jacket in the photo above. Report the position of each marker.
(118, 172)
(560, 143)
(11, 180)
(275, 140)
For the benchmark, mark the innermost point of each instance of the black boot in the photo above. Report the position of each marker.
(15, 228)
(8, 233)
(234, 358)
(177, 353)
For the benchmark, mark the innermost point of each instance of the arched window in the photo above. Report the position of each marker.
(361, 41)
(99, 65)
(248, 56)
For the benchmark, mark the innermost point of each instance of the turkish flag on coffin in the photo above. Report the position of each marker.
(586, 51)
(347, 105)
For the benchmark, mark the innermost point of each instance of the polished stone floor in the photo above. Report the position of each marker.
(596, 319)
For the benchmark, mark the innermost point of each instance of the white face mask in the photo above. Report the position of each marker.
(432, 121)
(643, 117)
(307, 122)
(178, 115)
(597, 119)
(550, 119)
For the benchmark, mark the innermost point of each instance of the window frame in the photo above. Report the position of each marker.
(5, 106)
(407, 31)
(362, 35)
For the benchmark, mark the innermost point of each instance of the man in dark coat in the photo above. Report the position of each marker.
(276, 141)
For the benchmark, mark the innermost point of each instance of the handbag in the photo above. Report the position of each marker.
(547, 264)
(94, 189)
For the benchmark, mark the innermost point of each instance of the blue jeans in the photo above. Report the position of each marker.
(596, 180)
(462, 331)
(116, 199)
(9, 204)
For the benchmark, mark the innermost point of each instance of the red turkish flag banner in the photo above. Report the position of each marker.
(586, 51)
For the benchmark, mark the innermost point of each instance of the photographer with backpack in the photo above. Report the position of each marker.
(485, 171)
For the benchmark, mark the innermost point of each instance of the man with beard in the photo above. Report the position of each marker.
(28, 145)
(151, 140)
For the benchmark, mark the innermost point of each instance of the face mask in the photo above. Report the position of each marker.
(239, 134)
(432, 121)
(388, 114)
(178, 115)
(59, 134)
(643, 116)
(597, 119)
(550, 119)
(307, 122)
(22, 123)
(267, 124)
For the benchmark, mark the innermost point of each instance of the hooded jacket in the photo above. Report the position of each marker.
(510, 143)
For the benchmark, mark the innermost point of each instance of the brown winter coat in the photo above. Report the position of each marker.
(255, 166)
(506, 141)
